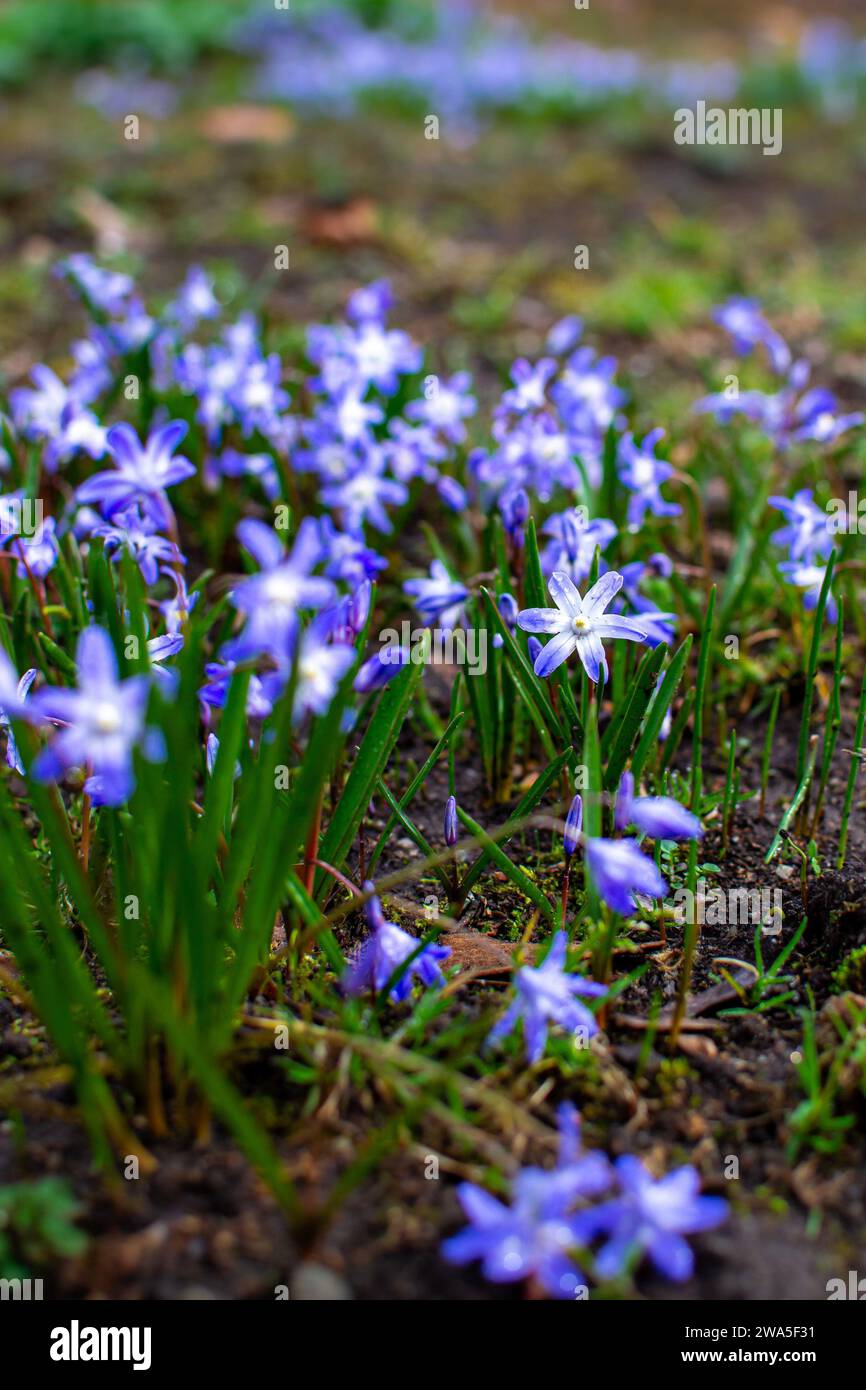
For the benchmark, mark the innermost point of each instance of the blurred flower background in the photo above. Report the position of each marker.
(307, 127)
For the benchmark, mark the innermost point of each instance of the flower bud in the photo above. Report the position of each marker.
(451, 822)
(573, 822)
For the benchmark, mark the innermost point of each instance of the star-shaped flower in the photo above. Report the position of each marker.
(385, 950)
(536, 1236)
(102, 721)
(579, 624)
(142, 472)
(653, 1217)
(545, 994)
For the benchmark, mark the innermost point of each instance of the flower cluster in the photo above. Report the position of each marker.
(809, 540)
(466, 65)
(555, 1214)
(793, 414)
(790, 415)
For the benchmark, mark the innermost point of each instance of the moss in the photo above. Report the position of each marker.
(850, 974)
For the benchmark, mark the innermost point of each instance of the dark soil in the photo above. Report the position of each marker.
(478, 245)
(202, 1225)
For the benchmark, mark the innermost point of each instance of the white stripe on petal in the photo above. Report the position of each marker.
(564, 594)
(591, 654)
(548, 620)
(601, 593)
(612, 625)
(555, 653)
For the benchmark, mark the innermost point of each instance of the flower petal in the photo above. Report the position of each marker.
(601, 593)
(555, 653)
(564, 594)
(612, 625)
(549, 620)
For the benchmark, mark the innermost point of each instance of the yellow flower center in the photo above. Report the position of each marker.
(579, 624)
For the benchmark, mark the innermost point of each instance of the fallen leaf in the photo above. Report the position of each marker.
(247, 124)
(346, 225)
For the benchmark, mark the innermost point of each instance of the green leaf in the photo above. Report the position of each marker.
(530, 688)
(623, 728)
(521, 881)
(659, 707)
(414, 787)
(522, 810)
(414, 834)
(379, 739)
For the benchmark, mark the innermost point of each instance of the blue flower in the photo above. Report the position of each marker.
(256, 396)
(618, 870)
(514, 509)
(446, 407)
(136, 534)
(810, 578)
(194, 301)
(579, 624)
(545, 994)
(508, 611)
(660, 817)
(261, 692)
(651, 1217)
(788, 416)
(807, 532)
(321, 668)
(142, 472)
(586, 394)
(370, 303)
(103, 720)
(36, 554)
(574, 543)
(57, 415)
(380, 668)
(743, 320)
(108, 290)
(530, 384)
(439, 598)
(534, 1237)
(412, 451)
(233, 464)
(272, 599)
(95, 358)
(347, 556)
(380, 356)
(450, 827)
(364, 495)
(383, 953)
(643, 474)
(573, 822)
(659, 626)
(564, 335)
(13, 693)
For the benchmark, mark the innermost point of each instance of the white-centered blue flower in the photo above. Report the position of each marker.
(579, 624)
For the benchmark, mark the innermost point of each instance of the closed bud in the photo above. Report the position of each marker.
(573, 822)
(451, 821)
